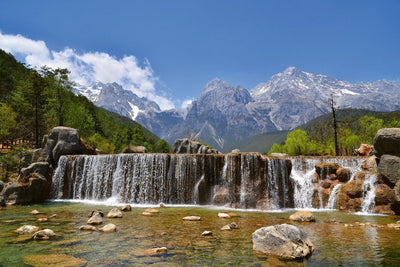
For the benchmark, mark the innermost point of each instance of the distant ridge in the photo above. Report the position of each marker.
(223, 114)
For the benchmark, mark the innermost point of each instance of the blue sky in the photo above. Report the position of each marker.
(168, 50)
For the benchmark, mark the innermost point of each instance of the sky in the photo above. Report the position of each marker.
(167, 50)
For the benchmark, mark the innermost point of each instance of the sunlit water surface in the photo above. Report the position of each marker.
(337, 245)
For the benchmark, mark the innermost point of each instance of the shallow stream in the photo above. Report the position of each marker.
(338, 244)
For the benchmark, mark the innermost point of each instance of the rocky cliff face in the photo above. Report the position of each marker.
(224, 114)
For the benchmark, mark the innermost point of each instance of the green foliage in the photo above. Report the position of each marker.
(162, 146)
(7, 122)
(369, 126)
(11, 163)
(354, 129)
(32, 102)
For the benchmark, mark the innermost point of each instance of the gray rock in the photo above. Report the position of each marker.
(282, 240)
(34, 191)
(387, 141)
(41, 168)
(389, 168)
(44, 234)
(27, 229)
(61, 141)
(187, 146)
(114, 213)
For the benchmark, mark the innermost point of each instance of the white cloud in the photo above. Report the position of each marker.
(89, 67)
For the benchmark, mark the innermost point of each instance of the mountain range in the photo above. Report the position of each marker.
(224, 114)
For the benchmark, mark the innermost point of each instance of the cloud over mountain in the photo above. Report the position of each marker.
(89, 67)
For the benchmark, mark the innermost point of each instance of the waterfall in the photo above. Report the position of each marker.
(278, 184)
(243, 180)
(303, 174)
(237, 180)
(331, 201)
(368, 188)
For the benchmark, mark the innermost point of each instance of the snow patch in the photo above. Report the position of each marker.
(135, 111)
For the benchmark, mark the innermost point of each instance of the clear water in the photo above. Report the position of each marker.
(337, 244)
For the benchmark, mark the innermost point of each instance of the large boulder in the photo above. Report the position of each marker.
(41, 168)
(387, 141)
(35, 190)
(283, 240)
(389, 169)
(187, 146)
(61, 141)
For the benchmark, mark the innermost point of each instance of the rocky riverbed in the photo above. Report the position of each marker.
(165, 239)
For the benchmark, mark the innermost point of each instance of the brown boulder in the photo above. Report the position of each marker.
(302, 216)
(343, 175)
(353, 188)
(384, 195)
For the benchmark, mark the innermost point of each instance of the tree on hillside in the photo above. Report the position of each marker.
(334, 125)
(28, 101)
(57, 87)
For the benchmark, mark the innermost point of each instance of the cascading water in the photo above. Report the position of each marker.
(243, 180)
(332, 197)
(368, 189)
(235, 180)
(303, 176)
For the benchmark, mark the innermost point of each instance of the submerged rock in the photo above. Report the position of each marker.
(302, 216)
(229, 227)
(87, 227)
(27, 229)
(44, 234)
(192, 218)
(282, 240)
(150, 251)
(54, 260)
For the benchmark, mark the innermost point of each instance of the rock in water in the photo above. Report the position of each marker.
(283, 240)
(302, 216)
(108, 228)
(114, 213)
(192, 218)
(95, 219)
(27, 229)
(54, 260)
(87, 228)
(44, 234)
(126, 208)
